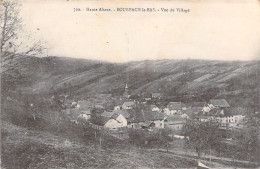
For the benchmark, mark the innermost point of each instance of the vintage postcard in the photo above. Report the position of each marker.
(130, 84)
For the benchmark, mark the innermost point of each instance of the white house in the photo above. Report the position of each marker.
(230, 115)
(86, 114)
(117, 108)
(154, 108)
(116, 122)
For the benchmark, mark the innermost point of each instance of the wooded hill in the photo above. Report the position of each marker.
(236, 81)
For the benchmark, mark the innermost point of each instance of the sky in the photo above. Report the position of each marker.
(212, 29)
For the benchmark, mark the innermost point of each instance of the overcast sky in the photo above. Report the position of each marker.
(213, 29)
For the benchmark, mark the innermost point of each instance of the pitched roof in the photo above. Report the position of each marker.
(146, 123)
(219, 103)
(86, 112)
(175, 105)
(194, 110)
(227, 112)
(85, 104)
(129, 104)
(198, 104)
(235, 111)
(153, 115)
(101, 120)
(107, 114)
(141, 116)
(123, 112)
(220, 113)
(152, 106)
(175, 119)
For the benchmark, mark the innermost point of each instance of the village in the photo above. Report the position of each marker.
(114, 114)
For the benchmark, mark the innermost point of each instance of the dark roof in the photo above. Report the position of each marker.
(175, 119)
(175, 105)
(220, 113)
(153, 115)
(199, 104)
(219, 103)
(194, 110)
(225, 112)
(107, 114)
(141, 116)
(235, 111)
(123, 112)
(146, 123)
(101, 120)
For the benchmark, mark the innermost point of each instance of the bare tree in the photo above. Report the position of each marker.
(13, 49)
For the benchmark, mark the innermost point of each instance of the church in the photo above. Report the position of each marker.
(126, 92)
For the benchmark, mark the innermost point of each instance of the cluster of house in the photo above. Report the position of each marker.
(173, 116)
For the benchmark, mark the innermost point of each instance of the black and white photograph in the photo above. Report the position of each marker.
(158, 84)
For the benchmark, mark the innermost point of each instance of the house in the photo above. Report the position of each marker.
(175, 108)
(86, 114)
(154, 108)
(115, 122)
(184, 115)
(98, 123)
(137, 119)
(156, 117)
(71, 114)
(175, 122)
(75, 105)
(194, 112)
(84, 117)
(124, 112)
(147, 95)
(99, 106)
(107, 114)
(117, 108)
(128, 105)
(157, 95)
(218, 103)
(199, 104)
(83, 105)
(230, 115)
(147, 125)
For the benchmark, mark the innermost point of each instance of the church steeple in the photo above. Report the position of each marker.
(126, 91)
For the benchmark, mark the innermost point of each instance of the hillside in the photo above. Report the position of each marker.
(29, 148)
(23, 148)
(237, 81)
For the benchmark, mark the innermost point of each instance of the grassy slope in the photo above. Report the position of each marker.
(23, 148)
